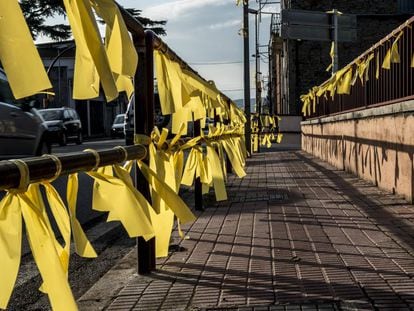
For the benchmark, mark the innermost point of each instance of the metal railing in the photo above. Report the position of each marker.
(44, 168)
(392, 86)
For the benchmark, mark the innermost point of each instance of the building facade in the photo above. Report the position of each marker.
(298, 65)
(96, 114)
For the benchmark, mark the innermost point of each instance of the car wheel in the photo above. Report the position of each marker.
(79, 140)
(63, 139)
(43, 148)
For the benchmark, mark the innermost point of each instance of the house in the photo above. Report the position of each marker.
(298, 65)
(96, 114)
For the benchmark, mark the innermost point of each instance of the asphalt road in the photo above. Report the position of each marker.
(84, 208)
(109, 240)
(92, 144)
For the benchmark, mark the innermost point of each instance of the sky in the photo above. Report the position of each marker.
(205, 34)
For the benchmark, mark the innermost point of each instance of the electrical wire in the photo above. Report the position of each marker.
(217, 63)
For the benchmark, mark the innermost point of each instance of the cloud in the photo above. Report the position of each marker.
(230, 23)
(179, 8)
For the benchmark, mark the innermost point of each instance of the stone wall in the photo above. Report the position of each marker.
(376, 144)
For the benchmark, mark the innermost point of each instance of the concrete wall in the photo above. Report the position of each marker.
(376, 144)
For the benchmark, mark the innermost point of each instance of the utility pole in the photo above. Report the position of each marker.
(257, 59)
(257, 62)
(247, 129)
(335, 66)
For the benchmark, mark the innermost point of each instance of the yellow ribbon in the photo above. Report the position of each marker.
(82, 245)
(392, 55)
(18, 54)
(92, 66)
(49, 256)
(174, 202)
(122, 201)
(122, 55)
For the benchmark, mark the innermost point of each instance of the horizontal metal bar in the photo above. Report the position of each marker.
(382, 104)
(44, 168)
(383, 40)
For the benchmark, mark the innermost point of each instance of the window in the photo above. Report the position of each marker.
(406, 6)
(67, 115)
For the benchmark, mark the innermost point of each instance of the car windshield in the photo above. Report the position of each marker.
(6, 95)
(51, 115)
(119, 119)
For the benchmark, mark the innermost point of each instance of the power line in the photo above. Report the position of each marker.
(216, 63)
(236, 90)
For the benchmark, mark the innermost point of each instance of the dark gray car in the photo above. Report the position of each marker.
(64, 124)
(23, 132)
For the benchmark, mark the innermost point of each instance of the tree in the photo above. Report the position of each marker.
(37, 12)
(155, 26)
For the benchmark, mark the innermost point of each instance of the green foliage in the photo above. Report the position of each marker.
(155, 26)
(37, 12)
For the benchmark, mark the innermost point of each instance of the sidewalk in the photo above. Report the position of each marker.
(296, 234)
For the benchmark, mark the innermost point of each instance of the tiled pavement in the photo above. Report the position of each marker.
(296, 234)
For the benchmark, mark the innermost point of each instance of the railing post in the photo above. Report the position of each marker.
(143, 125)
(198, 187)
(226, 122)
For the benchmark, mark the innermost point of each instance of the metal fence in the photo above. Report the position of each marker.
(392, 86)
(44, 168)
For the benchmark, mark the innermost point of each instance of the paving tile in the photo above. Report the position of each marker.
(294, 230)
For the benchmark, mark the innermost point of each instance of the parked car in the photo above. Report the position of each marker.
(117, 129)
(64, 125)
(23, 133)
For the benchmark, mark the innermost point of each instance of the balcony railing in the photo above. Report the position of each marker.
(378, 86)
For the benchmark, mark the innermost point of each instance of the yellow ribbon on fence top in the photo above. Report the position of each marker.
(18, 54)
(122, 54)
(392, 55)
(91, 64)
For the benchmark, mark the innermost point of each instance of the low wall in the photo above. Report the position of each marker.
(377, 144)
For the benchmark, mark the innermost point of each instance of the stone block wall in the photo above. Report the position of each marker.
(376, 144)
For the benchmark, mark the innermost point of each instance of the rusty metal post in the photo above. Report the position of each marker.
(198, 187)
(143, 124)
(226, 122)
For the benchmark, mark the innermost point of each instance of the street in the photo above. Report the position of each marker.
(84, 208)
(108, 239)
(89, 144)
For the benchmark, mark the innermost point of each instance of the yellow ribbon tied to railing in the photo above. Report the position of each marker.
(82, 245)
(392, 56)
(51, 258)
(120, 49)
(168, 166)
(18, 54)
(92, 66)
(118, 197)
